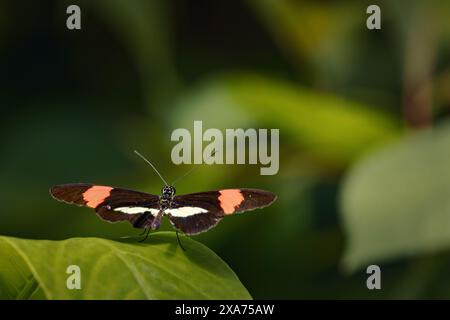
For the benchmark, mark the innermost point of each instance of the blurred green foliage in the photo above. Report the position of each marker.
(357, 183)
(410, 180)
(301, 115)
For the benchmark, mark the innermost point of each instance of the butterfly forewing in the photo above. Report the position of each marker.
(111, 204)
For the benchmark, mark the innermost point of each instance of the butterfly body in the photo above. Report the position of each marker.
(191, 213)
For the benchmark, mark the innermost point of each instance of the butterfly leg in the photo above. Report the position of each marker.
(146, 235)
(142, 233)
(179, 242)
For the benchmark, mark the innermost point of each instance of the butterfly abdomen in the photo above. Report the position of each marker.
(142, 221)
(157, 220)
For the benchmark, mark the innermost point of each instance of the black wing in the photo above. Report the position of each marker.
(198, 212)
(111, 204)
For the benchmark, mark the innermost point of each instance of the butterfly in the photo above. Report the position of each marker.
(190, 213)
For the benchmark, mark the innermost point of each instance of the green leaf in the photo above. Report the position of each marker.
(396, 202)
(157, 269)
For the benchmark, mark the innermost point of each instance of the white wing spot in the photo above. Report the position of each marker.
(185, 211)
(135, 210)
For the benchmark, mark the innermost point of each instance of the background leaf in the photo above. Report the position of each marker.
(409, 213)
(158, 269)
(328, 128)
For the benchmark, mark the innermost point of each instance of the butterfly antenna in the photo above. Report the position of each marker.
(140, 155)
(190, 170)
(184, 175)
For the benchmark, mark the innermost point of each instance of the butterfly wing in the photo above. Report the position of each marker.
(111, 204)
(198, 212)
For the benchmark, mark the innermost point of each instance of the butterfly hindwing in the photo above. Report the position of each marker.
(111, 204)
(198, 212)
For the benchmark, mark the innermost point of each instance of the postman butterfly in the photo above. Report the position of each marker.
(190, 213)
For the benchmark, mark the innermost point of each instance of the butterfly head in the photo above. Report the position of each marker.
(168, 192)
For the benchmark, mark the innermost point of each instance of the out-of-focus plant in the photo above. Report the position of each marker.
(396, 201)
(326, 128)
